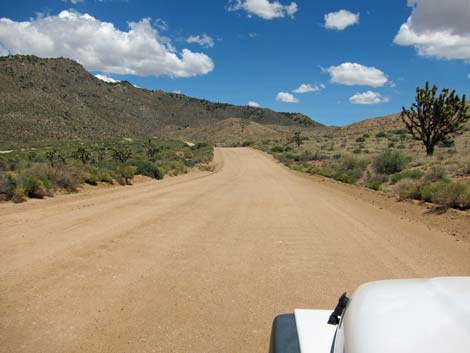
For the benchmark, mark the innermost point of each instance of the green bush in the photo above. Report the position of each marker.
(35, 187)
(390, 162)
(347, 178)
(400, 132)
(199, 145)
(277, 149)
(444, 192)
(7, 186)
(351, 163)
(247, 143)
(408, 189)
(407, 174)
(285, 157)
(374, 185)
(381, 134)
(464, 198)
(66, 177)
(347, 169)
(174, 168)
(125, 174)
(327, 172)
(147, 169)
(450, 194)
(104, 176)
(437, 172)
(19, 195)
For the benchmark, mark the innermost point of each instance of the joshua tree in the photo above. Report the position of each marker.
(151, 149)
(51, 155)
(433, 119)
(297, 139)
(83, 155)
(122, 154)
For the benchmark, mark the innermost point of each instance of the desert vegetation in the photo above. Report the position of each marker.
(39, 171)
(382, 157)
(434, 119)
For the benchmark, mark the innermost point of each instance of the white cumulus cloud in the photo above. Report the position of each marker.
(353, 74)
(437, 28)
(253, 104)
(100, 46)
(341, 19)
(306, 88)
(368, 97)
(264, 8)
(106, 78)
(286, 97)
(203, 40)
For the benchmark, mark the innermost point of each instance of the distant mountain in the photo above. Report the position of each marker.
(59, 99)
(385, 123)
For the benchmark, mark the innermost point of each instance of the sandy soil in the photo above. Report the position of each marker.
(201, 262)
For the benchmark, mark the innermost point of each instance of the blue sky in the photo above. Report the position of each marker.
(258, 50)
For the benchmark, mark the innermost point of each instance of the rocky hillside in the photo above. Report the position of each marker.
(58, 99)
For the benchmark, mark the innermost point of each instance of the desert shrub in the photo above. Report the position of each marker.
(408, 189)
(7, 186)
(437, 172)
(348, 163)
(428, 190)
(199, 145)
(285, 157)
(247, 143)
(390, 162)
(464, 198)
(325, 171)
(125, 174)
(407, 174)
(3, 165)
(347, 169)
(307, 156)
(374, 185)
(400, 132)
(277, 149)
(465, 166)
(104, 176)
(174, 168)
(19, 195)
(347, 178)
(357, 150)
(374, 181)
(65, 177)
(34, 186)
(360, 139)
(147, 169)
(450, 194)
(381, 134)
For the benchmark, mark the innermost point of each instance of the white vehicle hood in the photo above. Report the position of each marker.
(407, 316)
(315, 335)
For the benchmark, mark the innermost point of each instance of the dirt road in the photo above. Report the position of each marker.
(199, 263)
